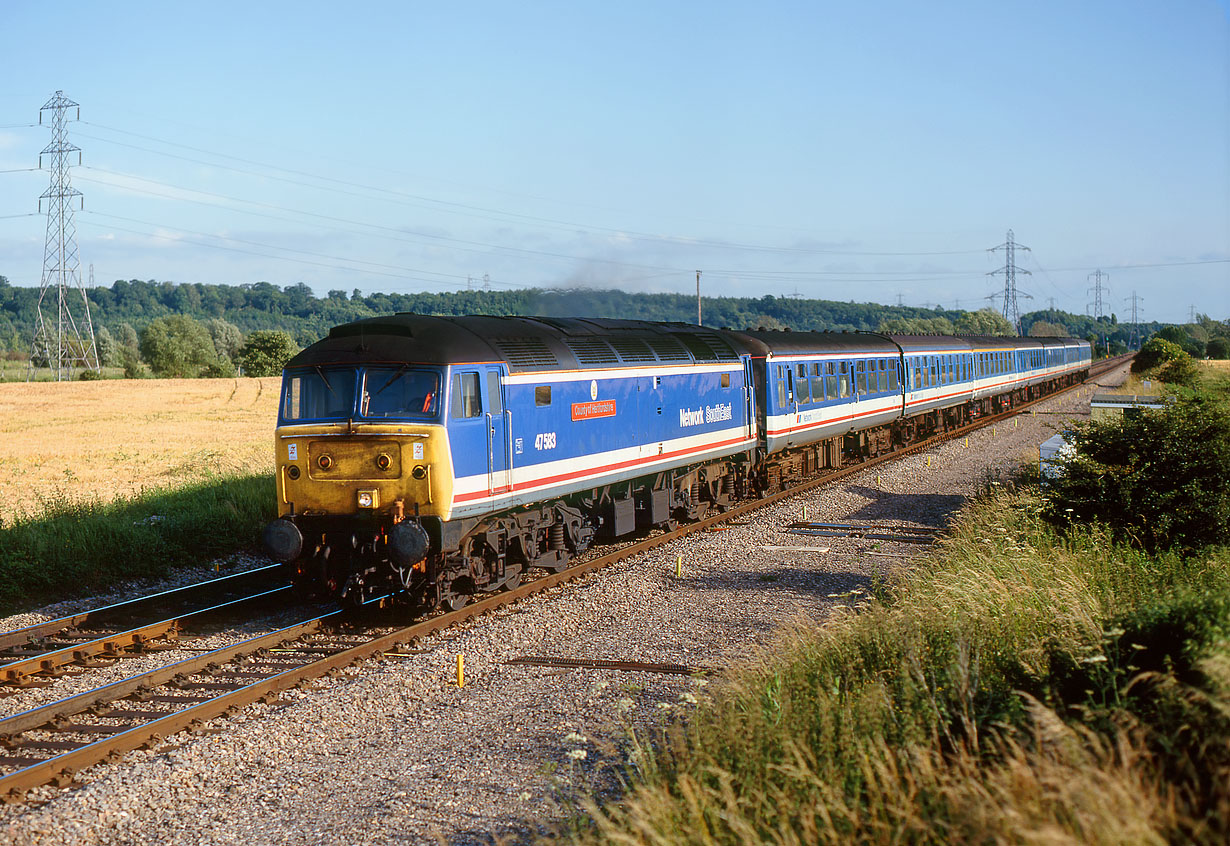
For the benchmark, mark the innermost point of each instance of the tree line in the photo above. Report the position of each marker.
(213, 329)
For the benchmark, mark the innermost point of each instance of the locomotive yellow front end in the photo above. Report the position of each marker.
(364, 476)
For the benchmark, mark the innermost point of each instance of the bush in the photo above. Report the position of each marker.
(1218, 348)
(1158, 478)
(1182, 371)
(1156, 351)
(88, 375)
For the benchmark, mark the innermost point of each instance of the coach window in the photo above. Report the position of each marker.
(817, 383)
(801, 392)
(935, 371)
(860, 377)
(781, 386)
(466, 401)
(542, 395)
(830, 380)
(916, 364)
(845, 379)
(892, 375)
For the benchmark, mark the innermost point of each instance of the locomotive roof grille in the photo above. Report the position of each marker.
(632, 349)
(525, 353)
(592, 351)
(667, 348)
(706, 346)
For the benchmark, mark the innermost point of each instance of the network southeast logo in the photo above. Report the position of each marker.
(708, 414)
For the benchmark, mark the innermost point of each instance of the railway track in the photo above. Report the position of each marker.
(51, 744)
(37, 654)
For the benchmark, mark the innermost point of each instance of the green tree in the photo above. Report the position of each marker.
(1218, 348)
(177, 346)
(985, 321)
(265, 353)
(1043, 329)
(108, 349)
(226, 337)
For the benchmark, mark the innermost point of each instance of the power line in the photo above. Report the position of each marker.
(486, 213)
(350, 266)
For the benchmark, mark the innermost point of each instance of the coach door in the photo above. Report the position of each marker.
(499, 432)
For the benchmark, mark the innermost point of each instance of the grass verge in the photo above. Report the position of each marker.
(74, 548)
(1018, 686)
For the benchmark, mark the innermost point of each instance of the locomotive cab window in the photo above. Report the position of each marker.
(399, 392)
(318, 394)
(466, 399)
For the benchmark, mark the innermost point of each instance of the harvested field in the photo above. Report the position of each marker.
(100, 440)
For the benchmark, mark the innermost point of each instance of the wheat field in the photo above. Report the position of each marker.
(100, 440)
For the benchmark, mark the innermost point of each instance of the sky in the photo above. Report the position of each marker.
(857, 151)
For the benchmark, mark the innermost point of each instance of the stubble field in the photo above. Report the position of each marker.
(94, 441)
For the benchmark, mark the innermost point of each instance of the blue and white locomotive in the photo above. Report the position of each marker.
(444, 456)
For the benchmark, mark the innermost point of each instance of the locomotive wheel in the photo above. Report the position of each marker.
(456, 602)
(513, 581)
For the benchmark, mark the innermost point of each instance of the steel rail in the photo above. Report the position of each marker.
(18, 673)
(22, 636)
(61, 768)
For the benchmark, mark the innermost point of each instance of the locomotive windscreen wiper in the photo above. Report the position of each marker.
(392, 379)
(324, 379)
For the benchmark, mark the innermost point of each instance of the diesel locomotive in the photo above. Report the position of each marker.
(441, 457)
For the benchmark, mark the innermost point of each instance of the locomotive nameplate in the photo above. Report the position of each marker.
(592, 410)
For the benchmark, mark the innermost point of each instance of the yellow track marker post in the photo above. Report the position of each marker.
(928, 461)
(461, 671)
(678, 566)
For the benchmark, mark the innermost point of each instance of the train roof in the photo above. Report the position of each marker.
(762, 343)
(930, 343)
(522, 343)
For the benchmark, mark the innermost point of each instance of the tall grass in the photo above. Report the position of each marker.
(73, 548)
(1016, 687)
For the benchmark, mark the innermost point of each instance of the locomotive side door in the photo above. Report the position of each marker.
(499, 431)
(748, 397)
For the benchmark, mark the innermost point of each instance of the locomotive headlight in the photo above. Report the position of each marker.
(419, 472)
(325, 462)
(383, 462)
(369, 499)
(293, 472)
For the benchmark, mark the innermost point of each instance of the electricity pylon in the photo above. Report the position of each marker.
(67, 341)
(1010, 270)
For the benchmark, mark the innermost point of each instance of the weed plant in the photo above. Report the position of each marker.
(74, 548)
(1018, 686)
